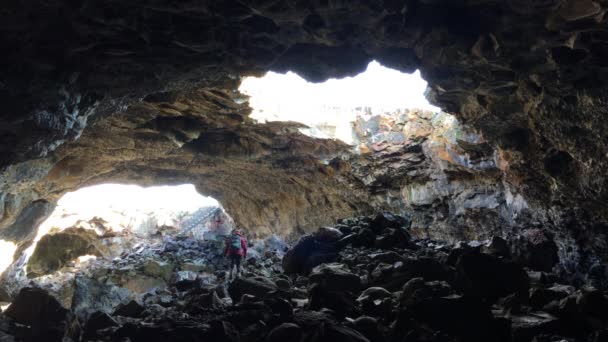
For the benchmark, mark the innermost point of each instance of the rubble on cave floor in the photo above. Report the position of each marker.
(363, 280)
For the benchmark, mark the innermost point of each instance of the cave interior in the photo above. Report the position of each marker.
(485, 220)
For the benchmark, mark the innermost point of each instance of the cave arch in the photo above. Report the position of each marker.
(526, 75)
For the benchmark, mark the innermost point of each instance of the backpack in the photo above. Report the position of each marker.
(235, 242)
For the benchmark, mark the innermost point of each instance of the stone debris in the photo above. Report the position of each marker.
(335, 284)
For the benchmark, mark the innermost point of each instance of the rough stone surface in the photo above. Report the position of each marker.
(484, 298)
(135, 93)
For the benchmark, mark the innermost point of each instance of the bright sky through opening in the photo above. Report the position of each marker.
(123, 205)
(336, 102)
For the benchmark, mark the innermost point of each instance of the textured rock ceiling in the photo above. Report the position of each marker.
(530, 75)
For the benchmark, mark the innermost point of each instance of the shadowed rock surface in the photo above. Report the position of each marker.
(425, 290)
(528, 76)
(145, 92)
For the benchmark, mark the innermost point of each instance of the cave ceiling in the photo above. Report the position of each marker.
(146, 92)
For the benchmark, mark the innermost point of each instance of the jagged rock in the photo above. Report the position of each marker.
(283, 284)
(158, 269)
(97, 321)
(368, 327)
(374, 293)
(54, 250)
(499, 247)
(465, 317)
(366, 237)
(486, 276)
(335, 277)
(308, 253)
(417, 290)
(392, 238)
(392, 277)
(36, 308)
(375, 301)
(539, 297)
(91, 296)
(536, 249)
(341, 333)
(285, 332)
(140, 283)
(132, 308)
(257, 286)
(327, 234)
(388, 220)
(526, 327)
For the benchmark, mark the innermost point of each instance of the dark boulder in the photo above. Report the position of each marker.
(341, 303)
(486, 276)
(427, 268)
(539, 297)
(307, 253)
(284, 332)
(335, 277)
(393, 238)
(525, 327)
(132, 308)
(97, 321)
(382, 221)
(36, 308)
(536, 249)
(366, 237)
(256, 286)
(464, 317)
(368, 327)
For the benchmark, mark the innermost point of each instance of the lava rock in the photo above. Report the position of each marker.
(487, 276)
(284, 332)
(385, 220)
(97, 321)
(327, 234)
(132, 308)
(536, 249)
(36, 308)
(308, 253)
(256, 286)
(335, 277)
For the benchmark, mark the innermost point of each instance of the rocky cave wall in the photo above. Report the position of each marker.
(89, 95)
(270, 178)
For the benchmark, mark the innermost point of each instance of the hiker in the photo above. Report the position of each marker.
(236, 249)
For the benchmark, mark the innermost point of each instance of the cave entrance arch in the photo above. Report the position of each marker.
(141, 210)
(106, 221)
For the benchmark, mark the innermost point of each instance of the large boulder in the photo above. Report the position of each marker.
(487, 276)
(335, 277)
(460, 316)
(284, 332)
(40, 311)
(307, 253)
(159, 269)
(54, 250)
(91, 295)
(385, 220)
(536, 249)
(392, 277)
(256, 286)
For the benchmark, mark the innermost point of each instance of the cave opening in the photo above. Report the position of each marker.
(330, 108)
(103, 223)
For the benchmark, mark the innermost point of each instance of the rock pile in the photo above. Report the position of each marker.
(363, 280)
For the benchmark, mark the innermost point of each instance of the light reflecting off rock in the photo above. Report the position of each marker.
(85, 258)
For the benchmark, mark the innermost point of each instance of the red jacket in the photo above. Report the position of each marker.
(242, 251)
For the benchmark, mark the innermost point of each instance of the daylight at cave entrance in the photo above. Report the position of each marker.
(362, 171)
